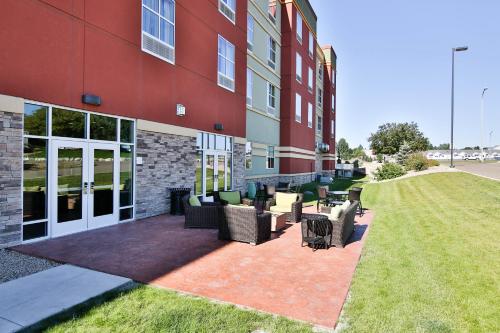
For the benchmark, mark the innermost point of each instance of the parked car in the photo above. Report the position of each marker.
(471, 157)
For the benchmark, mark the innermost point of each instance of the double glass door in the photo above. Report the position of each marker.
(217, 175)
(85, 190)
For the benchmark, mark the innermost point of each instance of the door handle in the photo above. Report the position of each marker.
(91, 187)
(85, 186)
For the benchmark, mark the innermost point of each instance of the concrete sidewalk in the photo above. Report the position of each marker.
(26, 301)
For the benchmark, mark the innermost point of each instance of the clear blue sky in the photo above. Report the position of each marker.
(395, 65)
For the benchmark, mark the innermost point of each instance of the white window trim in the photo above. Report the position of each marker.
(332, 129)
(333, 103)
(269, 50)
(234, 68)
(231, 9)
(311, 45)
(310, 79)
(172, 47)
(249, 85)
(299, 27)
(298, 71)
(320, 97)
(298, 103)
(272, 18)
(309, 115)
(250, 41)
(319, 125)
(248, 155)
(269, 157)
(269, 107)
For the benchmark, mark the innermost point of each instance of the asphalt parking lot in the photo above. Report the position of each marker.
(489, 169)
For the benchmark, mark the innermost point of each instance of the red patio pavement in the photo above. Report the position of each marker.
(278, 276)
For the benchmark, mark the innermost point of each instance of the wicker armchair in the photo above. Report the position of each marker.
(294, 213)
(244, 224)
(204, 216)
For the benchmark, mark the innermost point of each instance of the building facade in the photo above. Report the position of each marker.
(106, 105)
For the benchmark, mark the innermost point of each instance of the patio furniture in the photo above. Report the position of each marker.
(316, 231)
(355, 195)
(231, 198)
(338, 197)
(289, 203)
(251, 194)
(343, 226)
(278, 221)
(323, 197)
(205, 215)
(283, 187)
(244, 224)
(269, 191)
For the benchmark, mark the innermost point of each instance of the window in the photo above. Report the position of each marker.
(320, 72)
(103, 128)
(270, 157)
(298, 67)
(228, 9)
(319, 125)
(271, 98)
(272, 9)
(250, 32)
(333, 103)
(311, 45)
(248, 155)
(310, 79)
(333, 78)
(158, 28)
(299, 28)
(332, 129)
(309, 115)
(271, 54)
(298, 108)
(225, 65)
(249, 87)
(320, 97)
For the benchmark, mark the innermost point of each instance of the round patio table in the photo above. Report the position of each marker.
(338, 195)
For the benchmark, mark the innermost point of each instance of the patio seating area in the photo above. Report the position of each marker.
(278, 276)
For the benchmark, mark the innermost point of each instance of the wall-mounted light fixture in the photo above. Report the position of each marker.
(181, 110)
(218, 127)
(91, 99)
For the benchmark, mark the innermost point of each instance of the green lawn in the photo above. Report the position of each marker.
(338, 185)
(431, 262)
(149, 309)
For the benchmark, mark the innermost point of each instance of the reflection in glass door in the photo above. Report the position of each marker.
(69, 175)
(221, 174)
(217, 173)
(209, 175)
(103, 192)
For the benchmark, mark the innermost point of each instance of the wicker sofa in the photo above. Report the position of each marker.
(244, 224)
(287, 203)
(341, 230)
(204, 216)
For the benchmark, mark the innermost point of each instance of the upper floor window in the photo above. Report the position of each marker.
(309, 115)
(298, 108)
(298, 67)
(228, 9)
(333, 103)
(271, 98)
(158, 28)
(248, 155)
(332, 129)
(320, 72)
(299, 27)
(320, 124)
(310, 79)
(225, 64)
(333, 78)
(311, 45)
(271, 53)
(249, 87)
(272, 9)
(270, 157)
(320, 96)
(250, 32)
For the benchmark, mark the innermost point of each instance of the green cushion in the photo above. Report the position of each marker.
(285, 199)
(232, 197)
(335, 213)
(194, 201)
(252, 190)
(281, 209)
(32, 188)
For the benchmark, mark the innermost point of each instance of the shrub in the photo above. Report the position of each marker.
(356, 164)
(432, 163)
(417, 162)
(389, 171)
(380, 158)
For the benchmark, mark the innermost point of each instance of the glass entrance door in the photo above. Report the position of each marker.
(69, 187)
(216, 173)
(103, 196)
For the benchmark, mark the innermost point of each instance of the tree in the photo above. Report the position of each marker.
(390, 136)
(403, 153)
(343, 150)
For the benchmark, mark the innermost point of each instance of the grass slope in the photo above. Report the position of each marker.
(148, 309)
(431, 262)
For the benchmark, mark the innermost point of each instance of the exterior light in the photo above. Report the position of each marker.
(91, 99)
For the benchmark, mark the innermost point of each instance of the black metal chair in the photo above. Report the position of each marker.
(355, 195)
(317, 231)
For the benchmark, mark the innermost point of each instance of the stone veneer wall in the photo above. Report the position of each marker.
(168, 161)
(11, 169)
(239, 183)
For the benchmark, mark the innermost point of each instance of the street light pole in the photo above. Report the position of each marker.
(453, 50)
(482, 124)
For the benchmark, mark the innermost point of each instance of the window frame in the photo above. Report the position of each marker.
(333, 102)
(310, 79)
(233, 10)
(249, 87)
(248, 155)
(270, 157)
(250, 32)
(309, 115)
(319, 125)
(311, 45)
(320, 97)
(226, 60)
(270, 52)
(299, 23)
(298, 108)
(298, 67)
(332, 128)
(157, 39)
(271, 87)
(270, 16)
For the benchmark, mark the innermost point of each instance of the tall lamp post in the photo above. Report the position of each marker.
(482, 124)
(453, 50)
